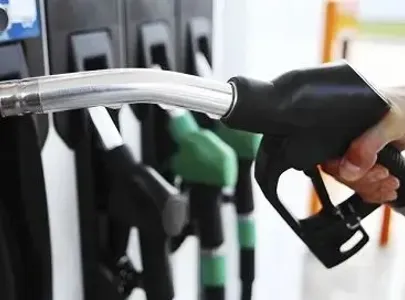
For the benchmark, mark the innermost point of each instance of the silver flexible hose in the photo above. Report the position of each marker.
(114, 87)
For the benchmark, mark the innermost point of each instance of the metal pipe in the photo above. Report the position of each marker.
(114, 87)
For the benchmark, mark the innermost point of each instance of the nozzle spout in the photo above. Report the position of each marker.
(114, 87)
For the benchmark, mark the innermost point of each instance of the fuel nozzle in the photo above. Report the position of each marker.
(169, 203)
(310, 116)
(141, 198)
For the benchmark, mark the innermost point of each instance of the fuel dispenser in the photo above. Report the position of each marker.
(176, 146)
(115, 192)
(143, 46)
(25, 246)
(289, 127)
(195, 58)
(78, 38)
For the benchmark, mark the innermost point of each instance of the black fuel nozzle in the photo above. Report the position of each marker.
(140, 197)
(138, 188)
(310, 116)
(156, 208)
(140, 181)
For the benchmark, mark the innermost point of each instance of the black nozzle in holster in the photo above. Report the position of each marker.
(308, 117)
(205, 203)
(24, 223)
(129, 194)
(245, 208)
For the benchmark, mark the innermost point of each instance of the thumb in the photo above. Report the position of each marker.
(362, 153)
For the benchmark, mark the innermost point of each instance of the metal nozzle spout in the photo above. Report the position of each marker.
(114, 87)
(19, 97)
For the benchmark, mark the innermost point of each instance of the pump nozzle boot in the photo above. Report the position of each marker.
(308, 117)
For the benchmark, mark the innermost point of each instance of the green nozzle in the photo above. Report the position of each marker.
(202, 157)
(182, 125)
(213, 270)
(244, 143)
(247, 233)
(205, 158)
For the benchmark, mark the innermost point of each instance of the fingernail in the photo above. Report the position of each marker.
(393, 183)
(392, 196)
(349, 171)
(379, 175)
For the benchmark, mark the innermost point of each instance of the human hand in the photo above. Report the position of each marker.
(358, 168)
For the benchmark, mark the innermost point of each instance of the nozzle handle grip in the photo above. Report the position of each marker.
(326, 232)
(310, 116)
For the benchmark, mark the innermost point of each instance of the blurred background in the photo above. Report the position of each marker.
(70, 219)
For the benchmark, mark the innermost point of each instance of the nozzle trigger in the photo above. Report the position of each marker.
(326, 233)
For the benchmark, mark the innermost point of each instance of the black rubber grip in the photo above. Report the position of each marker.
(205, 202)
(214, 293)
(316, 98)
(243, 192)
(253, 109)
(247, 265)
(246, 291)
(157, 272)
(245, 205)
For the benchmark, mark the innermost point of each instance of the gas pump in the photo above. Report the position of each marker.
(138, 197)
(175, 145)
(77, 34)
(25, 246)
(116, 193)
(195, 58)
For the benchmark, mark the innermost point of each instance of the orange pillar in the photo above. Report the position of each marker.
(385, 226)
(339, 15)
(328, 42)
